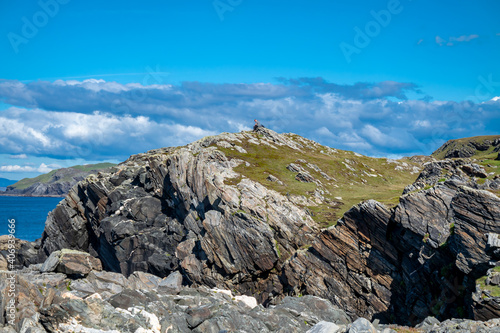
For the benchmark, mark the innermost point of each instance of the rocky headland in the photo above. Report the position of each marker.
(56, 183)
(257, 232)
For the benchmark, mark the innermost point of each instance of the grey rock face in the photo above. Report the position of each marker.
(186, 210)
(171, 210)
(153, 308)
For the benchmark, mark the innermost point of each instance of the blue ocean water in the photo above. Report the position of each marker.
(30, 214)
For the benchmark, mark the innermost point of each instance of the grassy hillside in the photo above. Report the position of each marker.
(469, 143)
(354, 177)
(60, 175)
(487, 157)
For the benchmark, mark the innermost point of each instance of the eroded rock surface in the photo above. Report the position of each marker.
(186, 211)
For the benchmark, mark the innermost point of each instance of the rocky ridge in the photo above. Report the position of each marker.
(469, 147)
(193, 211)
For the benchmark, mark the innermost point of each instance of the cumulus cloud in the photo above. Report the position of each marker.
(43, 168)
(97, 120)
(96, 135)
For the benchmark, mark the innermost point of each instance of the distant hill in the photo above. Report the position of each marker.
(4, 182)
(55, 183)
(484, 147)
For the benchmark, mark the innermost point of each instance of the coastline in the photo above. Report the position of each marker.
(31, 196)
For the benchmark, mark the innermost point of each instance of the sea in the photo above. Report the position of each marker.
(29, 214)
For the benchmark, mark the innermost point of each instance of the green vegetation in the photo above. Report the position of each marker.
(50, 177)
(486, 158)
(93, 167)
(464, 142)
(493, 290)
(355, 177)
(426, 238)
(277, 248)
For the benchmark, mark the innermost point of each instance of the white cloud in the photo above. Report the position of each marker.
(463, 38)
(452, 40)
(43, 168)
(19, 157)
(368, 118)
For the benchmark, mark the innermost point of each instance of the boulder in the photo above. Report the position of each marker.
(324, 327)
(361, 325)
(304, 177)
(172, 282)
(71, 262)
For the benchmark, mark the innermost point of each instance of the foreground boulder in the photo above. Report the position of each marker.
(71, 262)
(106, 301)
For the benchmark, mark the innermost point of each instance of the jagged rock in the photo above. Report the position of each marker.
(172, 282)
(71, 262)
(295, 168)
(156, 309)
(474, 170)
(305, 177)
(426, 214)
(428, 322)
(464, 148)
(477, 213)
(170, 210)
(187, 210)
(361, 325)
(454, 173)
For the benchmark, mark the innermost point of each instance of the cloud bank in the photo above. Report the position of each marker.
(99, 120)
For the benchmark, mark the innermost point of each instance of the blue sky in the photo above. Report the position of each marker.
(93, 81)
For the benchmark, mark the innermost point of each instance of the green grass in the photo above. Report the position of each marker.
(457, 143)
(27, 182)
(494, 290)
(91, 167)
(351, 186)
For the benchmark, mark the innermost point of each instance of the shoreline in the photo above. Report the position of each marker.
(31, 196)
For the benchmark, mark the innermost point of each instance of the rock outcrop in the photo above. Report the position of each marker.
(144, 303)
(468, 147)
(192, 212)
(171, 209)
(111, 302)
